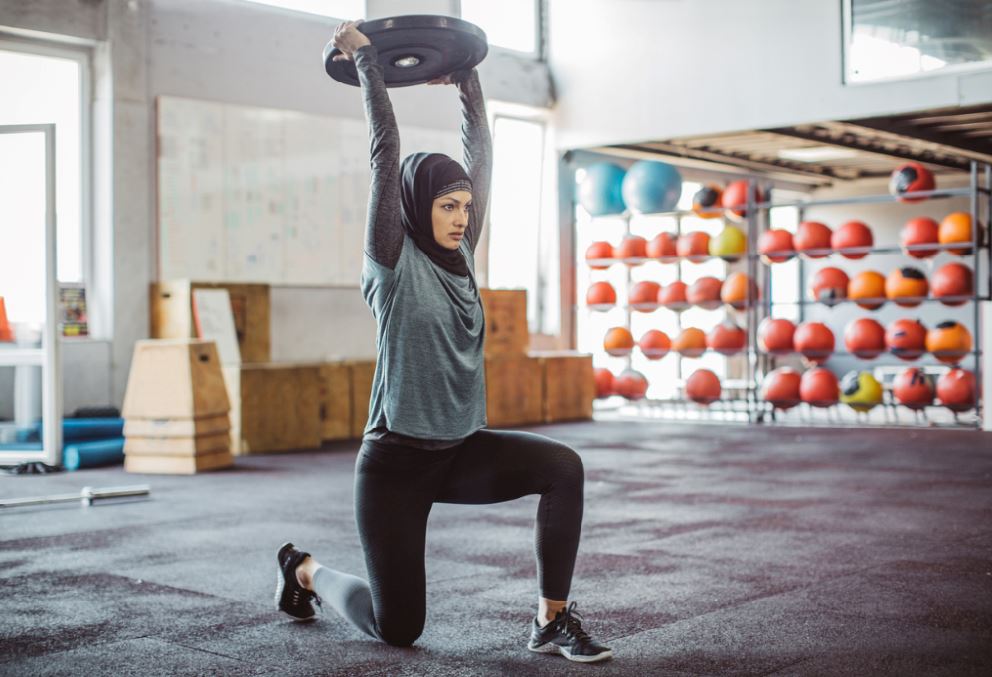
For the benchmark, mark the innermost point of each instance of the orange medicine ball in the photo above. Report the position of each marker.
(618, 342)
(632, 247)
(604, 382)
(853, 235)
(819, 387)
(739, 291)
(815, 341)
(949, 341)
(829, 285)
(906, 339)
(906, 286)
(913, 388)
(781, 388)
(644, 296)
(952, 280)
(812, 238)
(705, 293)
(707, 202)
(956, 390)
(776, 336)
(867, 289)
(601, 296)
(673, 296)
(703, 387)
(919, 231)
(865, 338)
(726, 338)
(655, 344)
(955, 228)
(631, 384)
(694, 246)
(599, 251)
(662, 247)
(690, 343)
(776, 246)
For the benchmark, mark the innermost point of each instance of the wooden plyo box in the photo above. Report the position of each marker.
(360, 376)
(514, 391)
(568, 385)
(335, 401)
(506, 321)
(177, 465)
(172, 314)
(175, 379)
(277, 406)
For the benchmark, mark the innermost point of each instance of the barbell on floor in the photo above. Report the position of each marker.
(86, 496)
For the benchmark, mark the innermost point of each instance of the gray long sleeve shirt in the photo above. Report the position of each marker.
(429, 384)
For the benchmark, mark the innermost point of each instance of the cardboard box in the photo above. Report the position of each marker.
(172, 314)
(335, 401)
(506, 321)
(278, 406)
(177, 465)
(514, 391)
(569, 387)
(360, 377)
(175, 379)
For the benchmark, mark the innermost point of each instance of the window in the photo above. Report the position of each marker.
(337, 9)
(885, 39)
(517, 250)
(51, 85)
(511, 24)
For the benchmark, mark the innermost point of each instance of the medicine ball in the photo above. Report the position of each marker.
(781, 388)
(952, 280)
(865, 338)
(913, 388)
(735, 196)
(673, 296)
(631, 384)
(919, 231)
(815, 341)
(730, 244)
(956, 228)
(618, 341)
(726, 338)
(829, 285)
(662, 247)
(776, 336)
(957, 390)
(703, 386)
(906, 339)
(651, 187)
(949, 342)
(910, 177)
(644, 296)
(690, 343)
(852, 235)
(601, 296)
(654, 344)
(632, 247)
(819, 387)
(860, 391)
(604, 382)
(694, 246)
(600, 192)
(739, 291)
(906, 286)
(776, 246)
(705, 293)
(599, 251)
(867, 289)
(706, 203)
(812, 239)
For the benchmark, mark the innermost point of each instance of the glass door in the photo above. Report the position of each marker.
(30, 367)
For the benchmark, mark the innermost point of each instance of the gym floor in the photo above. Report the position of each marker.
(706, 550)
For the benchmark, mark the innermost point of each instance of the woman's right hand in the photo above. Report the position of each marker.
(348, 39)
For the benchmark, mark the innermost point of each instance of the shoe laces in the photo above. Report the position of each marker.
(570, 623)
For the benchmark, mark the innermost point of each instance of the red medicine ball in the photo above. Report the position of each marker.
(703, 387)
(815, 341)
(781, 388)
(910, 178)
(776, 336)
(919, 231)
(819, 387)
(952, 280)
(865, 338)
(604, 382)
(812, 238)
(906, 339)
(956, 390)
(913, 388)
(852, 235)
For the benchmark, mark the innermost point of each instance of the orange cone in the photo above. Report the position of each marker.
(5, 333)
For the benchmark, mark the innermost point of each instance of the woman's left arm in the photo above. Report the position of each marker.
(478, 149)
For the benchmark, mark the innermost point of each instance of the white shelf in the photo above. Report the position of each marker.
(13, 357)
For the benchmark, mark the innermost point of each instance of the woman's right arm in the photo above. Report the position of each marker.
(383, 227)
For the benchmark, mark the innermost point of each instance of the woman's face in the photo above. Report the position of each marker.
(449, 216)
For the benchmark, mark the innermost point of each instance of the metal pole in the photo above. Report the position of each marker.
(86, 496)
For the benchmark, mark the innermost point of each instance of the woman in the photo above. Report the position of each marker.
(426, 440)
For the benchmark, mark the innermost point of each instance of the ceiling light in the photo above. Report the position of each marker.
(817, 154)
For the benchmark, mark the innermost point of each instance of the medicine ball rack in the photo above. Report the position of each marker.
(746, 403)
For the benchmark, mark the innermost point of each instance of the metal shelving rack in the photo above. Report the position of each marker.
(757, 218)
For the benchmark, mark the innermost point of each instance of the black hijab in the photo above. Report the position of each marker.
(424, 177)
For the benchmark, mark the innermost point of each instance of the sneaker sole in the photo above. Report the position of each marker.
(554, 649)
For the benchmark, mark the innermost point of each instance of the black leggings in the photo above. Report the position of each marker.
(395, 488)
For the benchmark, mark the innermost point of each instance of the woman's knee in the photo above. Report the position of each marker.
(565, 464)
(403, 633)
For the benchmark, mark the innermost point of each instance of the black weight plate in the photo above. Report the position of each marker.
(439, 44)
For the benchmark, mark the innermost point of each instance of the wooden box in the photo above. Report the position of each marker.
(335, 401)
(200, 445)
(360, 377)
(177, 465)
(568, 385)
(277, 405)
(177, 427)
(513, 391)
(172, 314)
(175, 379)
(506, 321)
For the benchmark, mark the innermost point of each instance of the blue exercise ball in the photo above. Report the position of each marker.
(652, 187)
(600, 192)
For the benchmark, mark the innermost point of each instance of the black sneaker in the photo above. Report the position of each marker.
(292, 597)
(565, 636)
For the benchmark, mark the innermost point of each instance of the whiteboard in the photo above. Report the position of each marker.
(250, 194)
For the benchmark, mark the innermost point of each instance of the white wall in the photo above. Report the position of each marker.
(638, 70)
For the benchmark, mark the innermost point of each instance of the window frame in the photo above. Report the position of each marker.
(83, 55)
(540, 42)
(847, 36)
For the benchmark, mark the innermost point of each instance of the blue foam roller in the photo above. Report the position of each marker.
(74, 429)
(91, 454)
